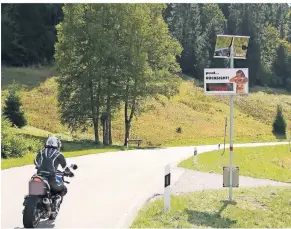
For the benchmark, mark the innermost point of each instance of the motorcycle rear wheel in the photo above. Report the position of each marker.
(31, 212)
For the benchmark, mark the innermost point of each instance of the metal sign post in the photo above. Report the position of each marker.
(225, 125)
(228, 81)
(231, 125)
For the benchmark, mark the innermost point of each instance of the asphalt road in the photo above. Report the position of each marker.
(107, 189)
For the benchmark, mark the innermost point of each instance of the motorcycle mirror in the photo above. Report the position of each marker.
(74, 166)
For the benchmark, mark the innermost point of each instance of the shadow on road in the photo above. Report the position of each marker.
(43, 224)
(211, 219)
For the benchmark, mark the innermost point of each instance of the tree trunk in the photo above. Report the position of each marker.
(108, 110)
(110, 133)
(97, 114)
(94, 114)
(96, 131)
(105, 126)
(108, 121)
(127, 120)
(127, 131)
(105, 133)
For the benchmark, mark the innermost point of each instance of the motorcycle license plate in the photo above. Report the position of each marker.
(36, 188)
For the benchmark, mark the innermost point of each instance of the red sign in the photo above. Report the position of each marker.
(219, 87)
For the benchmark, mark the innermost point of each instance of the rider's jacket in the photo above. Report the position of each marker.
(48, 160)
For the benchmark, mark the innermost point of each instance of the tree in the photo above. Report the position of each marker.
(281, 65)
(213, 22)
(279, 124)
(288, 19)
(13, 107)
(151, 59)
(184, 24)
(268, 46)
(29, 33)
(87, 54)
(108, 54)
(195, 26)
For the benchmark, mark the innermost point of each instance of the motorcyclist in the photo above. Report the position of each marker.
(47, 162)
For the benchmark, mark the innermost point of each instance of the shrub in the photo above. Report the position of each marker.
(13, 107)
(279, 124)
(13, 144)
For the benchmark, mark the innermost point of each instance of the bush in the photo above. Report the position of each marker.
(13, 107)
(13, 144)
(279, 124)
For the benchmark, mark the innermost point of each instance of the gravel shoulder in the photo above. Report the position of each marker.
(191, 181)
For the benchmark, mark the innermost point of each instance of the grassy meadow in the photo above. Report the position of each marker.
(200, 117)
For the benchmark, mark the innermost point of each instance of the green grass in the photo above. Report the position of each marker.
(269, 162)
(72, 149)
(35, 132)
(28, 77)
(264, 207)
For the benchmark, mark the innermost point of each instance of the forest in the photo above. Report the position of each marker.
(29, 35)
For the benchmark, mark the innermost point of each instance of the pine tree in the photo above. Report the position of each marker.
(279, 124)
(13, 107)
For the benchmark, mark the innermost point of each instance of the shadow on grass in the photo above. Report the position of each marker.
(77, 145)
(211, 219)
(29, 78)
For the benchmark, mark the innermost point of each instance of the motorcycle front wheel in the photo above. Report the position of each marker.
(31, 212)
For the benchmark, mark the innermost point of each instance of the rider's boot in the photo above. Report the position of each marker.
(56, 206)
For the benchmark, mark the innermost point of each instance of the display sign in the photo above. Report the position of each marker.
(226, 81)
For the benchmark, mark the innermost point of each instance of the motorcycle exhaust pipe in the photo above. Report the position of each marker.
(47, 204)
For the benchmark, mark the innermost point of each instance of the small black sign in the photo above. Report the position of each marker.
(167, 180)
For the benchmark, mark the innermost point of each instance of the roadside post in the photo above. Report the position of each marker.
(228, 81)
(195, 156)
(167, 190)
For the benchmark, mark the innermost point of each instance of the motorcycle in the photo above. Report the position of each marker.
(39, 201)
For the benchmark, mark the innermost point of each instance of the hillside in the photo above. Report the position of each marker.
(200, 117)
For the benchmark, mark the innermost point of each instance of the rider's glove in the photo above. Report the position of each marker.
(70, 174)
